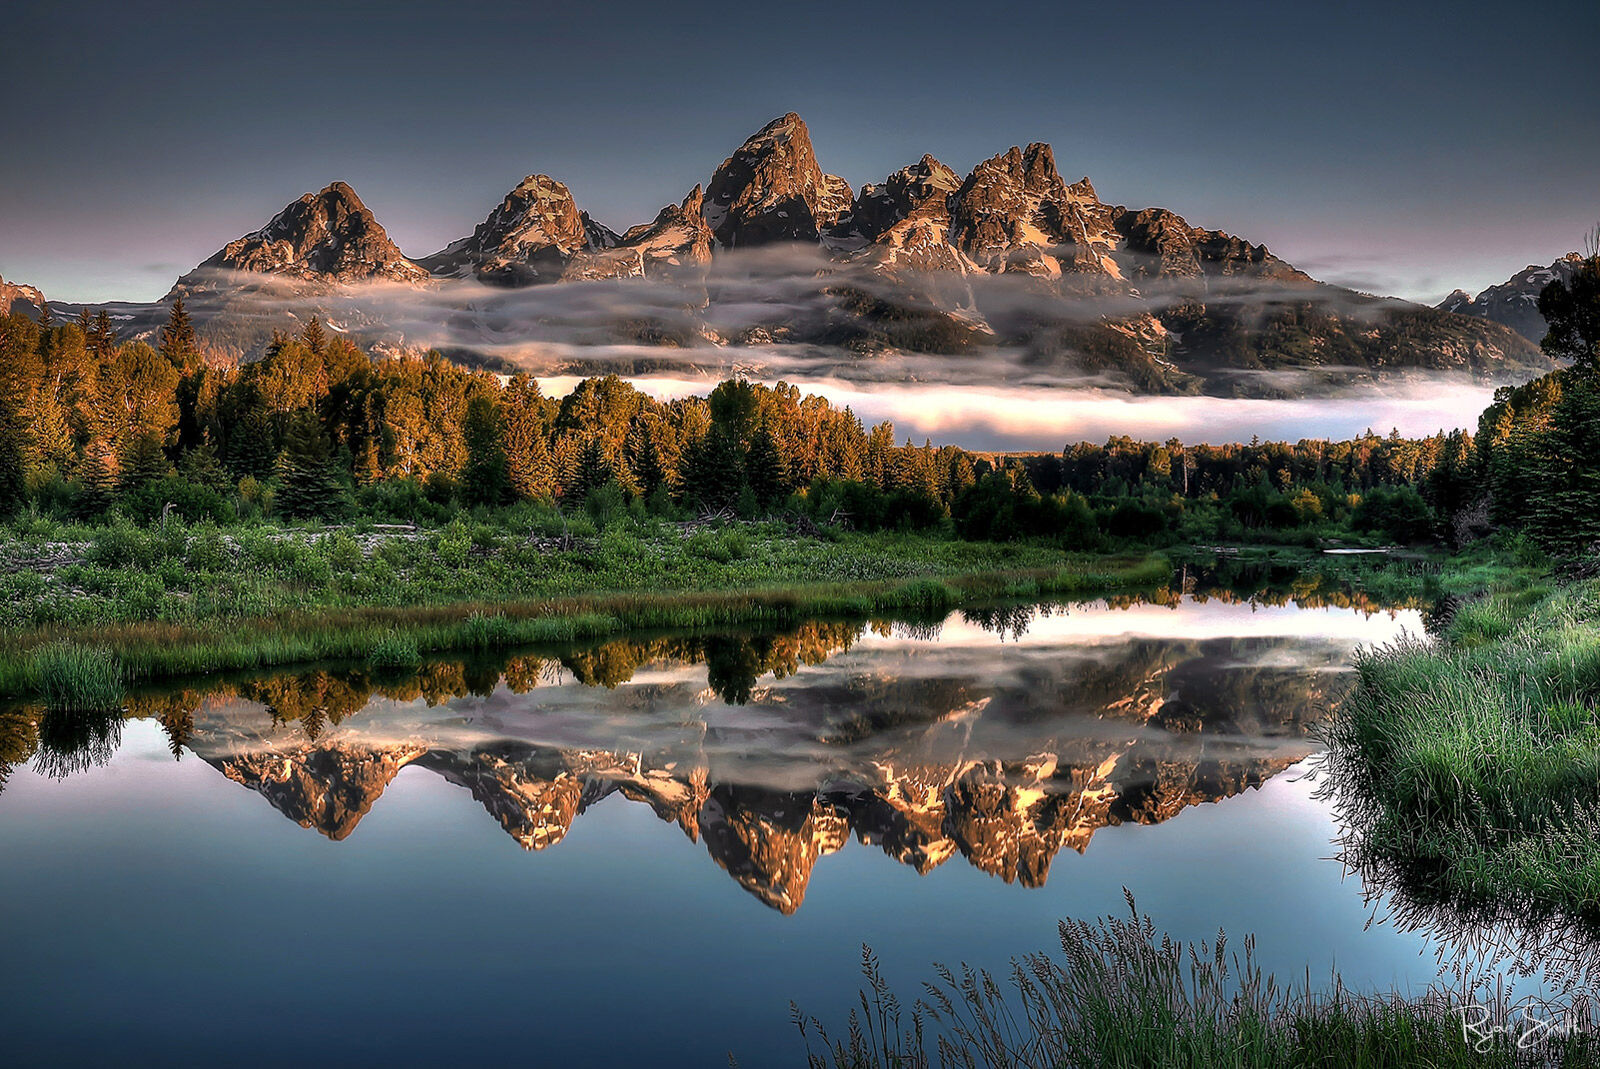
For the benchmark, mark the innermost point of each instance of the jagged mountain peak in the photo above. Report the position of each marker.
(16, 297)
(772, 189)
(924, 184)
(678, 237)
(528, 237)
(1515, 302)
(324, 237)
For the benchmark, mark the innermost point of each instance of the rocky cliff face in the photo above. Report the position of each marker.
(1015, 213)
(678, 238)
(15, 297)
(1515, 302)
(772, 189)
(528, 238)
(322, 238)
(328, 785)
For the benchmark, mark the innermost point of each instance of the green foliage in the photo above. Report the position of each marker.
(394, 649)
(1472, 766)
(309, 485)
(1119, 995)
(1571, 312)
(77, 679)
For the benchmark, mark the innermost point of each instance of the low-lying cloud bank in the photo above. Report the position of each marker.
(1048, 418)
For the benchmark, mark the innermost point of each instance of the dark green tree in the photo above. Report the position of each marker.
(309, 485)
(13, 444)
(594, 468)
(712, 474)
(766, 470)
(250, 449)
(485, 479)
(144, 462)
(177, 336)
(201, 467)
(1571, 312)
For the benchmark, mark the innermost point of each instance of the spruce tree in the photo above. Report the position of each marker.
(308, 481)
(594, 469)
(177, 335)
(713, 471)
(201, 467)
(12, 454)
(314, 337)
(250, 449)
(485, 479)
(766, 470)
(144, 462)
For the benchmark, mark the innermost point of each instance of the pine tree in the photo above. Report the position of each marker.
(250, 446)
(177, 336)
(308, 480)
(713, 471)
(96, 481)
(144, 462)
(485, 479)
(12, 454)
(104, 337)
(766, 470)
(594, 469)
(201, 467)
(314, 337)
(644, 459)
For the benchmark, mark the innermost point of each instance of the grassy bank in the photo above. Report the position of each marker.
(1118, 997)
(178, 601)
(1470, 766)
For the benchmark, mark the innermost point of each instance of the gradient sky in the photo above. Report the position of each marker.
(1400, 152)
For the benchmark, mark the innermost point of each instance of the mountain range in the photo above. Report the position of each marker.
(774, 253)
(926, 767)
(1515, 302)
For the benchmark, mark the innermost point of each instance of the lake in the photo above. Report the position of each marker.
(641, 852)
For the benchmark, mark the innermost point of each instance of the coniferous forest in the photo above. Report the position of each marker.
(320, 430)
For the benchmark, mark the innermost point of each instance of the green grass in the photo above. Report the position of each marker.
(1469, 767)
(316, 595)
(394, 649)
(77, 679)
(1118, 997)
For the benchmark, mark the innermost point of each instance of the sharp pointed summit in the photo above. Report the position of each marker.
(529, 238)
(772, 189)
(325, 237)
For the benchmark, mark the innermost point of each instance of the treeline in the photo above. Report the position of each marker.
(1537, 465)
(320, 429)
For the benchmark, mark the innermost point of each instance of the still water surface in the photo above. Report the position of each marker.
(639, 853)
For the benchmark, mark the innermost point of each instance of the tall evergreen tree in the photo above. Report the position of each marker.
(177, 335)
(314, 337)
(766, 470)
(144, 462)
(712, 473)
(485, 480)
(13, 451)
(308, 480)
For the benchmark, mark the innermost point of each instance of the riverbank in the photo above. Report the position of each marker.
(1470, 766)
(175, 601)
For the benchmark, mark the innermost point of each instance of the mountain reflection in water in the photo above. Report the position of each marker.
(999, 737)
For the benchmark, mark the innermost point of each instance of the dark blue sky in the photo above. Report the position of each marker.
(1403, 151)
